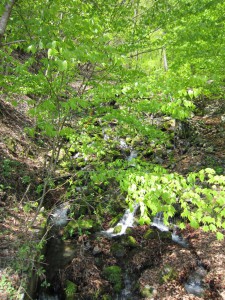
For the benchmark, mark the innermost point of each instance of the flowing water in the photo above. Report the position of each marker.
(127, 291)
(133, 154)
(126, 221)
(59, 217)
(194, 284)
(59, 253)
(159, 222)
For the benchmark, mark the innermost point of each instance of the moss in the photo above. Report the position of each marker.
(130, 241)
(165, 235)
(117, 229)
(70, 290)
(118, 250)
(114, 275)
(167, 274)
(129, 230)
(150, 234)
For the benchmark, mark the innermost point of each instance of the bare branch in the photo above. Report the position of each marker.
(145, 51)
(5, 17)
(13, 42)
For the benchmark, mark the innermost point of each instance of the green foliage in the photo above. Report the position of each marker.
(6, 285)
(114, 275)
(80, 226)
(95, 74)
(70, 290)
(9, 167)
(167, 274)
(200, 196)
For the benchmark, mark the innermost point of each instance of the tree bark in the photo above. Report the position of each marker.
(5, 17)
(165, 63)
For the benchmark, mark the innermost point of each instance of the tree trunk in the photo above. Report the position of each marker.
(165, 63)
(5, 17)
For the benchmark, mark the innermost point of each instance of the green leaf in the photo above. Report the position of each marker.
(219, 236)
(62, 65)
(32, 49)
(182, 226)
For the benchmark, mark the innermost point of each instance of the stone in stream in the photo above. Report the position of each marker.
(194, 284)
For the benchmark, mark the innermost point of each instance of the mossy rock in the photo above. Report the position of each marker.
(167, 274)
(150, 234)
(164, 235)
(118, 250)
(129, 230)
(131, 242)
(147, 291)
(117, 229)
(114, 275)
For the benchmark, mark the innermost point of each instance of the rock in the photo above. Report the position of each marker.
(117, 229)
(118, 250)
(129, 230)
(130, 241)
(150, 234)
(148, 291)
(165, 235)
(209, 149)
(96, 250)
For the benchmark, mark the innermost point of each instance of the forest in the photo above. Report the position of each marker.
(112, 149)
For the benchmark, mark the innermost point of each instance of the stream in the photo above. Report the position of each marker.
(61, 252)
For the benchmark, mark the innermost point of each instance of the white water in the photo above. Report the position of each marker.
(159, 223)
(126, 292)
(133, 154)
(59, 217)
(179, 239)
(194, 283)
(126, 221)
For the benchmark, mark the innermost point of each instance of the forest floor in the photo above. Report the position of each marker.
(21, 167)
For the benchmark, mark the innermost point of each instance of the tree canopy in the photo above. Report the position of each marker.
(90, 66)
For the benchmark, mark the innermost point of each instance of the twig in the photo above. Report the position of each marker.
(145, 51)
(14, 42)
(24, 195)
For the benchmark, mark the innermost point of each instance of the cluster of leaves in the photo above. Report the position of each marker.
(197, 199)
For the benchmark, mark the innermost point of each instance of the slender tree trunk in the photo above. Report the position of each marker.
(5, 17)
(165, 63)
